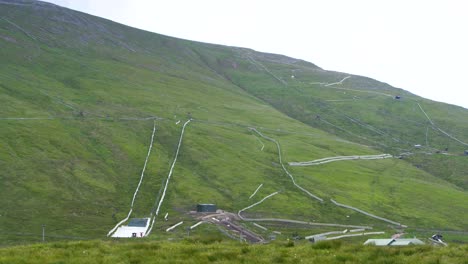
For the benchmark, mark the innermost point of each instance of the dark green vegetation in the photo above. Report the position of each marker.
(209, 251)
(79, 96)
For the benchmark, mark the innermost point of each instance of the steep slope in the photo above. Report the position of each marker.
(80, 96)
(354, 107)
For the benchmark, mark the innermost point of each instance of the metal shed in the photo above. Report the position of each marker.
(138, 222)
(206, 208)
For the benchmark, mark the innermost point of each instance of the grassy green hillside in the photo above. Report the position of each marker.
(80, 96)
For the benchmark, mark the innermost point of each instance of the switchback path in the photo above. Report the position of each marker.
(340, 82)
(289, 220)
(310, 194)
(284, 168)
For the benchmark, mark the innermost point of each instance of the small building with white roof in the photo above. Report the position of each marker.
(394, 242)
(136, 228)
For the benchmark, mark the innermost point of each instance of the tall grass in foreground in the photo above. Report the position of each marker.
(206, 250)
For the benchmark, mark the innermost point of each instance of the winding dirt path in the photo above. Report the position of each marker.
(284, 168)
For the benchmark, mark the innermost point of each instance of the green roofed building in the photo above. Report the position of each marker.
(206, 208)
(138, 222)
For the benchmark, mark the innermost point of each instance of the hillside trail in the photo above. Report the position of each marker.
(256, 190)
(156, 212)
(362, 124)
(340, 158)
(248, 56)
(434, 126)
(260, 141)
(329, 86)
(439, 129)
(314, 196)
(340, 82)
(360, 91)
(368, 214)
(289, 221)
(284, 168)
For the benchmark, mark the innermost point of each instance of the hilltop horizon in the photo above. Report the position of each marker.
(367, 44)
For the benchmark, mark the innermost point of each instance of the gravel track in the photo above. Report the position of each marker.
(366, 213)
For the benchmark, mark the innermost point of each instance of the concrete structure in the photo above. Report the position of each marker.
(206, 208)
(136, 228)
(394, 242)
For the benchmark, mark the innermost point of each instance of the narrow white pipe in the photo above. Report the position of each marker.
(259, 226)
(169, 176)
(121, 222)
(428, 118)
(258, 188)
(354, 235)
(174, 226)
(139, 183)
(197, 224)
(340, 158)
(325, 234)
(257, 203)
(144, 166)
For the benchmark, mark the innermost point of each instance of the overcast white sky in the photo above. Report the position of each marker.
(418, 45)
